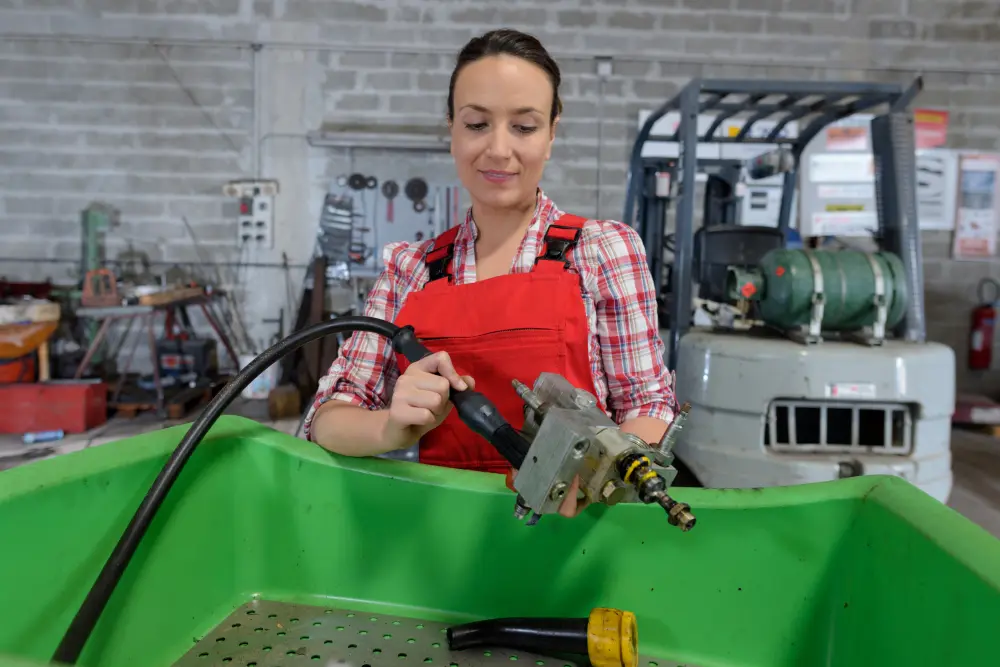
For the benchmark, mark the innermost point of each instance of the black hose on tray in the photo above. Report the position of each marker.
(538, 635)
(474, 409)
(608, 637)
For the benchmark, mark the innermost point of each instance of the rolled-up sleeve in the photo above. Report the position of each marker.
(365, 369)
(632, 352)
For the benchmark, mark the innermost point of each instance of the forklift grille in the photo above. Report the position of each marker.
(827, 427)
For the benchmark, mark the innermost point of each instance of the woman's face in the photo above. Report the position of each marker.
(501, 136)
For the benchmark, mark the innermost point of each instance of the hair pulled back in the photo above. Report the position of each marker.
(507, 41)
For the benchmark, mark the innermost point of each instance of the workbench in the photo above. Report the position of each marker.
(146, 314)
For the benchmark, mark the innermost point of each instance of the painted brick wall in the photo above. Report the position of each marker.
(89, 111)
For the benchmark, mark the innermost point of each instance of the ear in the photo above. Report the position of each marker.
(552, 137)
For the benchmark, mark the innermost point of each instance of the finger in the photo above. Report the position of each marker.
(567, 507)
(469, 381)
(415, 416)
(434, 383)
(570, 507)
(430, 400)
(440, 363)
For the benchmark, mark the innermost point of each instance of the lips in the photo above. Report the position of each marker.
(494, 176)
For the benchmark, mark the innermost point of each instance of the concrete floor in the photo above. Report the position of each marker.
(976, 457)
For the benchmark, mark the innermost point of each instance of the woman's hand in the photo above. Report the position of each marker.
(570, 506)
(420, 399)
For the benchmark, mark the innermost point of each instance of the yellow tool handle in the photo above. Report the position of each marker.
(612, 638)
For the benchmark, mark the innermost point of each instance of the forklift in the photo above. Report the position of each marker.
(822, 369)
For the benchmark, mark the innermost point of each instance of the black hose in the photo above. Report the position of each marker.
(538, 635)
(473, 407)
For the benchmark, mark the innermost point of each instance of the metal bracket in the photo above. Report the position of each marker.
(813, 332)
(881, 306)
(877, 335)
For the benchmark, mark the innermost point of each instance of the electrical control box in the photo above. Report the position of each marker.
(255, 211)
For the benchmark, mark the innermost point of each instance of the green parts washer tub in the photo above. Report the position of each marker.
(268, 550)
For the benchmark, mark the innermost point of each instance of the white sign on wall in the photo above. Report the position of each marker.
(838, 183)
(978, 206)
(937, 185)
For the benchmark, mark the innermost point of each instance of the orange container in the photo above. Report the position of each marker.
(19, 369)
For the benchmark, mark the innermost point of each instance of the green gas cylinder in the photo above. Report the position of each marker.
(784, 284)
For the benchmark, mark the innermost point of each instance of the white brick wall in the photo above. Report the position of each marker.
(156, 130)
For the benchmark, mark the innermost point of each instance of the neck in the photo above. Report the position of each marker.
(496, 225)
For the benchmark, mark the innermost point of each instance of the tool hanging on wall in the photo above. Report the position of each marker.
(336, 228)
(357, 181)
(416, 192)
(371, 183)
(375, 225)
(359, 252)
(389, 190)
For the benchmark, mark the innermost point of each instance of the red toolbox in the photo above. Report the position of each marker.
(73, 407)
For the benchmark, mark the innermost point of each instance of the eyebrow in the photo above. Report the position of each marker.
(517, 111)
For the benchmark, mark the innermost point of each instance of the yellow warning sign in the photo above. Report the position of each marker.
(832, 208)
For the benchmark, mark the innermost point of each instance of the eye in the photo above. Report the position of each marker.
(525, 129)
(475, 127)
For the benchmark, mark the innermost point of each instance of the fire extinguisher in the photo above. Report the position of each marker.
(983, 325)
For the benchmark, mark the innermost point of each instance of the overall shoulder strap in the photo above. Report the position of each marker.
(439, 257)
(560, 238)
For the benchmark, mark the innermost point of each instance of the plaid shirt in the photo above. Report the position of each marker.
(626, 352)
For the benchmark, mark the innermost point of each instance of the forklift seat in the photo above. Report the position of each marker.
(718, 247)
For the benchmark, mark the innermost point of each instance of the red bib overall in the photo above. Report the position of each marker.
(514, 326)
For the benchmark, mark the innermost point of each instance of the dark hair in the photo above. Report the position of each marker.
(506, 41)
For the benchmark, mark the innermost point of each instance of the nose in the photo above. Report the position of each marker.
(499, 144)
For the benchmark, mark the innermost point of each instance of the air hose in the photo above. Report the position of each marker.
(608, 637)
(473, 408)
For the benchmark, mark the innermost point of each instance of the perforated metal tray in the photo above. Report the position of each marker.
(276, 634)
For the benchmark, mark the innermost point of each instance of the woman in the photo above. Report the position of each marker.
(518, 289)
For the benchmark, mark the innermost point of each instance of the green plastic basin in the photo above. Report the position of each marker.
(864, 571)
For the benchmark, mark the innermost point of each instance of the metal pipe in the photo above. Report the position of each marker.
(566, 56)
(787, 195)
(600, 141)
(910, 236)
(255, 50)
(680, 308)
(56, 260)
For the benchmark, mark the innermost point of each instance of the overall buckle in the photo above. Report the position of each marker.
(559, 239)
(438, 267)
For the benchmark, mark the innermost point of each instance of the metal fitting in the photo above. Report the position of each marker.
(613, 492)
(680, 515)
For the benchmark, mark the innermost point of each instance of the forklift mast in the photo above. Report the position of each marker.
(815, 105)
